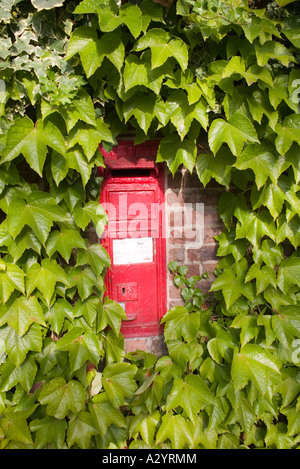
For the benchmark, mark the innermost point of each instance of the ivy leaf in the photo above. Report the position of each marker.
(236, 275)
(289, 388)
(131, 15)
(175, 429)
(104, 414)
(180, 352)
(290, 28)
(112, 315)
(288, 230)
(293, 418)
(259, 106)
(286, 326)
(145, 425)
(15, 427)
(162, 47)
(227, 205)
(12, 376)
(114, 347)
(88, 6)
(269, 253)
(82, 347)
(227, 244)
(64, 242)
(261, 159)
(138, 72)
(218, 167)
(21, 313)
(56, 316)
(84, 40)
(224, 282)
(50, 357)
(176, 152)
(264, 276)
(235, 133)
(88, 309)
(81, 429)
(81, 109)
(25, 240)
(290, 191)
(11, 279)
(112, 47)
(39, 211)
(262, 28)
(289, 274)
(89, 138)
(182, 113)
(220, 347)
(287, 133)
(256, 364)
(181, 323)
(273, 50)
(91, 211)
(141, 106)
(254, 226)
(95, 256)
(44, 277)
(18, 347)
(77, 160)
(60, 397)
(84, 279)
(32, 141)
(48, 430)
(118, 382)
(46, 4)
(271, 196)
(59, 167)
(192, 395)
(248, 326)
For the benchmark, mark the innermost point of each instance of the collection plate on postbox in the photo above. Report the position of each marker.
(132, 193)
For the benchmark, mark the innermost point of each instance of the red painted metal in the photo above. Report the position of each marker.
(133, 194)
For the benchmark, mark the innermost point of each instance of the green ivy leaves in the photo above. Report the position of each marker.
(32, 141)
(235, 133)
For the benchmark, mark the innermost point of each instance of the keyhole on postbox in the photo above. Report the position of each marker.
(123, 290)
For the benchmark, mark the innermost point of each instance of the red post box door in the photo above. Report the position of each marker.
(135, 240)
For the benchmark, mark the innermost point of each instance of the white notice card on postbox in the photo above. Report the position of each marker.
(132, 251)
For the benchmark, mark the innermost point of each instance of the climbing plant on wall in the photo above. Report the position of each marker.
(218, 83)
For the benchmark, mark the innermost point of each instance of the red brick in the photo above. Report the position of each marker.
(210, 233)
(209, 197)
(193, 255)
(174, 292)
(134, 343)
(208, 253)
(209, 267)
(174, 303)
(194, 269)
(179, 237)
(211, 216)
(157, 346)
(176, 254)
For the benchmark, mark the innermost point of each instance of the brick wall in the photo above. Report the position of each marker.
(198, 252)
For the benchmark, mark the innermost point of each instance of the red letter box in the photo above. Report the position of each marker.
(133, 195)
